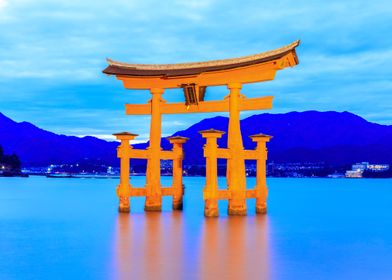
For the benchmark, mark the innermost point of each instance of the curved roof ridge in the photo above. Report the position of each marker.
(220, 62)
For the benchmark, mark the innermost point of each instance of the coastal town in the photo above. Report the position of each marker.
(11, 166)
(293, 170)
(364, 169)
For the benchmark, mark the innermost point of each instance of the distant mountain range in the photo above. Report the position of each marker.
(38, 147)
(311, 136)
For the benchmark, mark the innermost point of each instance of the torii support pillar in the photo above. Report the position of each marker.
(261, 172)
(178, 187)
(210, 192)
(124, 189)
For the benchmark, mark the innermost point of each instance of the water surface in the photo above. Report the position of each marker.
(315, 229)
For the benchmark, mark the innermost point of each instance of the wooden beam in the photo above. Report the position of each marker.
(202, 107)
(138, 192)
(166, 191)
(251, 154)
(138, 153)
(223, 153)
(251, 193)
(257, 103)
(167, 155)
(224, 194)
(247, 74)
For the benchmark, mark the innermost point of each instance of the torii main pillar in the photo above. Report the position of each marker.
(235, 174)
(153, 178)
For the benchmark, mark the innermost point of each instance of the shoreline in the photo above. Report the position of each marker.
(92, 176)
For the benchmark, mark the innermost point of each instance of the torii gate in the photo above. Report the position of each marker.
(194, 78)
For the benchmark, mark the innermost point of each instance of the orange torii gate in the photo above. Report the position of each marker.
(194, 78)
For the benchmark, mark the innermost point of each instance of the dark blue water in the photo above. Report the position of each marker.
(315, 229)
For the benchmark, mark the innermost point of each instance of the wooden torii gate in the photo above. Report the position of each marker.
(194, 78)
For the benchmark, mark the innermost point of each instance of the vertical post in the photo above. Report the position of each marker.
(124, 189)
(153, 178)
(236, 179)
(178, 187)
(261, 172)
(211, 188)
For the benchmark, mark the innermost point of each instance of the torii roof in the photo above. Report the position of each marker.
(195, 68)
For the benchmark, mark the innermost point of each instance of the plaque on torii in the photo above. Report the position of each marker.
(194, 78)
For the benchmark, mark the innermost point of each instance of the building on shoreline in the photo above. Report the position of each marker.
(291, 170)
(9, 164)
(358, 169)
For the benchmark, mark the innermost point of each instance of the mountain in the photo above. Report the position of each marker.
(38, 147)
(311, 136)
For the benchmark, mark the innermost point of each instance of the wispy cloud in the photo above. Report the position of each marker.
(53, 54)
(3, 3)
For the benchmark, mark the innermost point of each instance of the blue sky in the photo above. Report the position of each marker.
(53, 52)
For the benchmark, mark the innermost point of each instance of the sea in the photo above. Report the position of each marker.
(69, 228)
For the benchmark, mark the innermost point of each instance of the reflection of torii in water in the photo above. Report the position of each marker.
(194, 78)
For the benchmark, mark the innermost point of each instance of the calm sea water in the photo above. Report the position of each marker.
(315, 229)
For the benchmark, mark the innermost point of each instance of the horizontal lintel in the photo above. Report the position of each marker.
(167, 155)
(167, 191)
(137, 153)
(252, 155)
(138, 192)
(223, 153)
(251, 193)
(246, 104)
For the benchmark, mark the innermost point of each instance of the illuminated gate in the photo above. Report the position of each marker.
(194, 78)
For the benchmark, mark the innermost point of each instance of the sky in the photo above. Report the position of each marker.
(52, 54)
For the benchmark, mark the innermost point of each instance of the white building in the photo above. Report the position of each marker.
(378, 167)
(357, 169)
(360, 166)
(354, 173)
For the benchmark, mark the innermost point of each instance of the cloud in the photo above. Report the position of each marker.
(3, 4)
(109, 137)
(53, 54)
